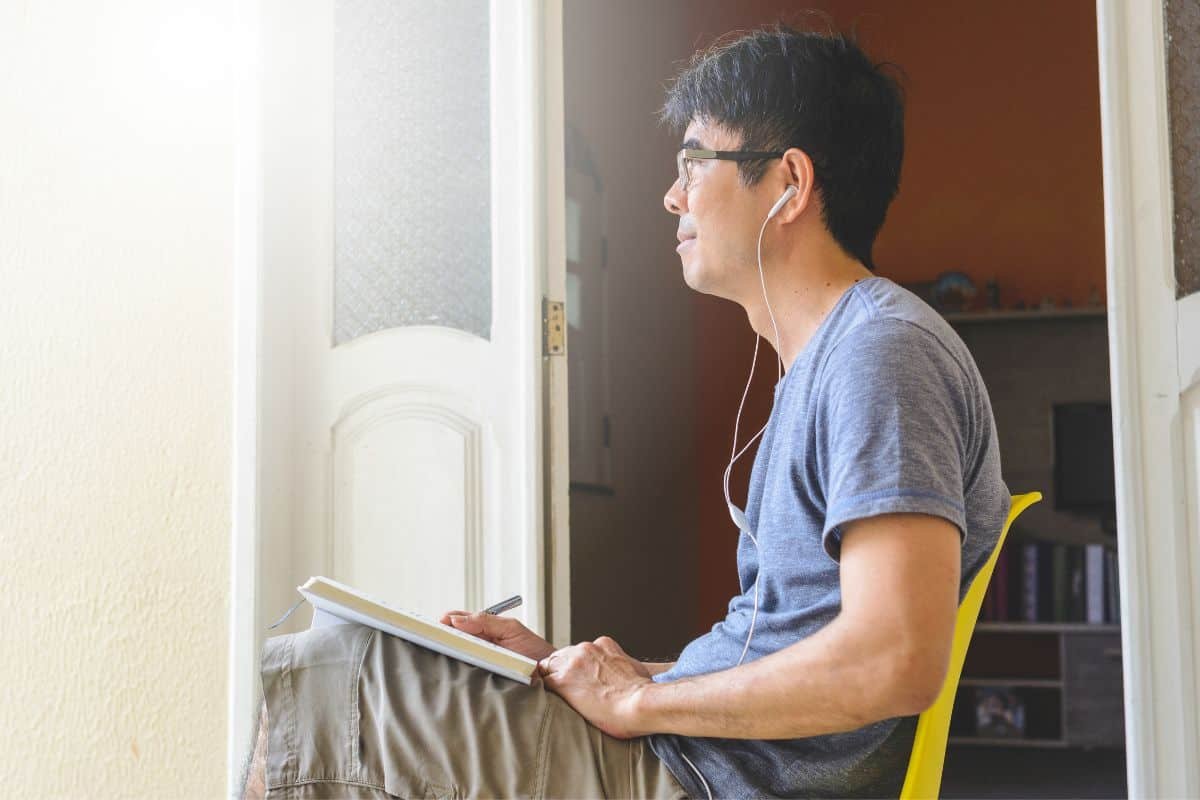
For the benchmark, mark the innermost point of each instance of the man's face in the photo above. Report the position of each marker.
(719, 219)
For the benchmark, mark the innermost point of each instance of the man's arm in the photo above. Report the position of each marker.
(655, 667)
(885, 654)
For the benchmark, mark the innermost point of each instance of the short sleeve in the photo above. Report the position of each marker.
(892, 425)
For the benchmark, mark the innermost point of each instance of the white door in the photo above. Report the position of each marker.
(1154, 347)
(411, 225)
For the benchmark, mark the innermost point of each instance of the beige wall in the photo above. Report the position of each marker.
(115, 356)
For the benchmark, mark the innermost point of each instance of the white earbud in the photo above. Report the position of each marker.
(788, 194)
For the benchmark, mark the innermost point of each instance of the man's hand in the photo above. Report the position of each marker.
(506, 632)
(600, 681)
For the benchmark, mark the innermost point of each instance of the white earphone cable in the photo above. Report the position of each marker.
(763, 280)
(698, 775)
(778, 353)
(735, 454)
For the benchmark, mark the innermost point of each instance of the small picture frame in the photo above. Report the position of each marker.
(999, 713)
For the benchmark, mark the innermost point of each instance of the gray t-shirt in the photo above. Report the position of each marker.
(883, 411)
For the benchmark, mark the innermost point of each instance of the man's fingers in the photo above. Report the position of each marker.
(483, 624)
(544, 666)
(467, 623)
(479, 624)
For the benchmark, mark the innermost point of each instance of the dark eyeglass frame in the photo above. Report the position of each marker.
(687, 154)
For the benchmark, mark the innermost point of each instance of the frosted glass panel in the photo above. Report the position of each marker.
(412, 181)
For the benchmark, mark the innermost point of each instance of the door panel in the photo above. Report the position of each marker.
(402, 285)
(387, 539)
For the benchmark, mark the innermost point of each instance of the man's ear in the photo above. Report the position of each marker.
(798, 172)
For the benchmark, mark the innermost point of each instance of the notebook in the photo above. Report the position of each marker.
(344, 602)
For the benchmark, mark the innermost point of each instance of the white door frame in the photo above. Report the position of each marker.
(541, 107)
(247, 297)
(556, 464)
(1157, 551)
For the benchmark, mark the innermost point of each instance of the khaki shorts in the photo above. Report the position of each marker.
(353, 712)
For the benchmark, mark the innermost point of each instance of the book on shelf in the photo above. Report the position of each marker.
(332, 599)
(1029, 581)
(1112, 586)
(1061, 575)
(1095, 583)
(1042, 581)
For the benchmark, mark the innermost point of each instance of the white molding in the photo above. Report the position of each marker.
(517, 31)
(244, 510)
(1158, 639)
(410, 402)
(556, 423)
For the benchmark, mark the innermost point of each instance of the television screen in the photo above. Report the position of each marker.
(1083, 457)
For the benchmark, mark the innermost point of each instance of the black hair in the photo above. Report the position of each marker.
(781, 87)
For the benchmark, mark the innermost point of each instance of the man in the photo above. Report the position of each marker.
(875, 496)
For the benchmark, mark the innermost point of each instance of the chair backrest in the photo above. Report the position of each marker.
(924, 777)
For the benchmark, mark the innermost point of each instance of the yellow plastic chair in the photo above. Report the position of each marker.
(924, 777)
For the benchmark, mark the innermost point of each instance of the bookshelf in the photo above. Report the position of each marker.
(1044, 666)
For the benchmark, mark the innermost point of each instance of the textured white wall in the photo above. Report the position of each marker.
(116, 230)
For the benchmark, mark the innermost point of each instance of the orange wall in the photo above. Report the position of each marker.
(1001, 178)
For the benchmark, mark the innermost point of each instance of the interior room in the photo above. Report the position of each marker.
(285, 289)
(998, 224)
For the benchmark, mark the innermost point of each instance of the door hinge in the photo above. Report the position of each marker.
(554, 335)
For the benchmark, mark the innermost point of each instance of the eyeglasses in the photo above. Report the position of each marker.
(687, 155)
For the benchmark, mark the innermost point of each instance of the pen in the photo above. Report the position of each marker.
(504, 605)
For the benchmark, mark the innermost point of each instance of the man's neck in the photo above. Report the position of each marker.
(802, 297)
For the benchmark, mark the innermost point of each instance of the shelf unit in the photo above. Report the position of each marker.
(1068, 675)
